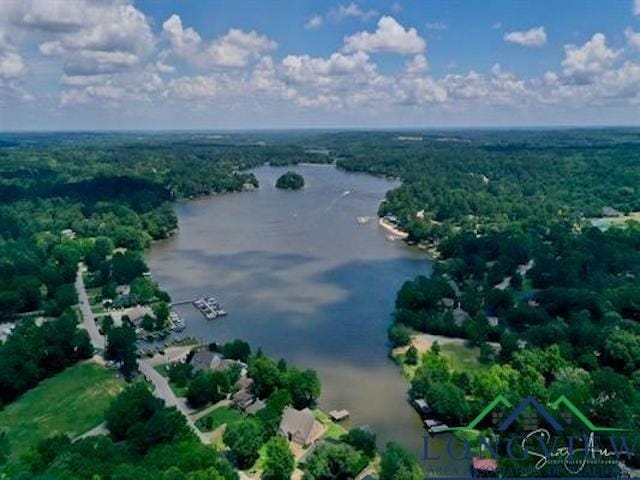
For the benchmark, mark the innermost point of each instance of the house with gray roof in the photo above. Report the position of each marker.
(297, 425)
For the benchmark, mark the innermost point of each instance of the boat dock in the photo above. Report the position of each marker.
(209, 307)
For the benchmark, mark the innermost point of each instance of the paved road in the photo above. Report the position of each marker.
(163, 390)
(88, 321)
(161, 385)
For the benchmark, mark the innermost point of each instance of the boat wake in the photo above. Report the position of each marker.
(333, 202)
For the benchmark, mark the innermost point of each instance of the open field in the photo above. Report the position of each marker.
(71, 402)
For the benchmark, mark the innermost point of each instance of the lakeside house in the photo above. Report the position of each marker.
(204, 360)
(297, 425)
(208, 360)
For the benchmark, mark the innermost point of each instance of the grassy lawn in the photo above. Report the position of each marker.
(219, 416)
(71, 402)
(334, 430)
(461, 358)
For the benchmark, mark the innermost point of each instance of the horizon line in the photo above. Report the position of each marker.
(330, 129)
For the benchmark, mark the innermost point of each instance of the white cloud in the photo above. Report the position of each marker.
(636, 7)
(633, 38)
(534, 37)
(233, 49)
(11, 65)
(324, 72)
(314, 22)
(390, 36)
(236, 48)
(593, 58)
(353, 10)
(184, 42)
(91, 37)
(198, 87)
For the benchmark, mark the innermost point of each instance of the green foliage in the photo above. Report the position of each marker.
(237, 350)
(399, 335)
(411, 357)
(304, 387)
(121, 348)
(244, 440)
(398, 464)
(279, 461)
(33, 353)
(290, 181)
(334, 462)
(207, 387)
(362, 440)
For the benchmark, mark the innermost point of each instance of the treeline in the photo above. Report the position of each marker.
(32, 353)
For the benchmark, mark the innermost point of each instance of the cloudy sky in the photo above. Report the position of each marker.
(160, 64)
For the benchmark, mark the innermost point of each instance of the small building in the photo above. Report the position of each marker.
(204, 360)
(484, 467)
(243, 399)
(255, 407)
(297, 425)
(338, 415)
(493, 321)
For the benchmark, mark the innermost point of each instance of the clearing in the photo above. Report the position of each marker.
(71, 402)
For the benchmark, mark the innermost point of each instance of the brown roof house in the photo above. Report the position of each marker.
(297, 425)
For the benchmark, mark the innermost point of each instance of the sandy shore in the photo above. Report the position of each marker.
(390, 227)
(424, 341)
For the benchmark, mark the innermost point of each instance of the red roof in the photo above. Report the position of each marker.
(485, 464)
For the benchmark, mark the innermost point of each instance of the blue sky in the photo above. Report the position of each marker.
(109, 64)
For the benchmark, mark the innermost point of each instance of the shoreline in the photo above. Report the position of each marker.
(390, 227)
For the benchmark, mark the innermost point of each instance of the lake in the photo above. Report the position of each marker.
(303, 280)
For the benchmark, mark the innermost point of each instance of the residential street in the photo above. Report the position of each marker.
(163, 390)
(88, 321)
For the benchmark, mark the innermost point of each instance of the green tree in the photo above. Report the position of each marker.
(279, 461)
(398, 464)
(362, 440)
(411, 357)
(304, 387)
(244, 440)
(399, 335)
(237, 350)
(334, 462)
(121, 348)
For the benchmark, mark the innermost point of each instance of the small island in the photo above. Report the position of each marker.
(290, 181)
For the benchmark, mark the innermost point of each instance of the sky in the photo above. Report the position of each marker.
(271, 64)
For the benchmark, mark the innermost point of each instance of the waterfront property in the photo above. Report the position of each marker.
(298, 425)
